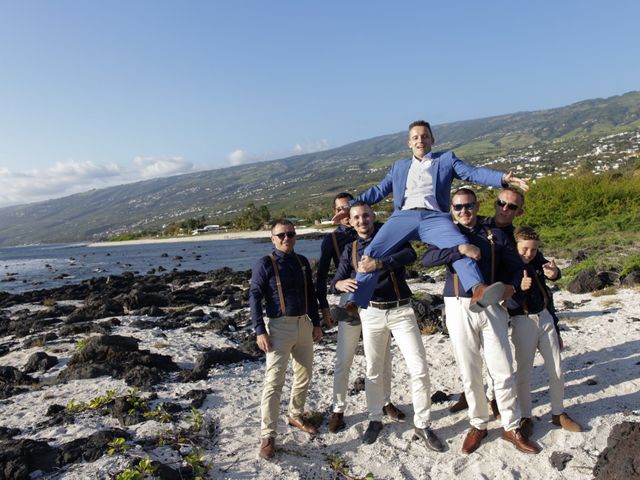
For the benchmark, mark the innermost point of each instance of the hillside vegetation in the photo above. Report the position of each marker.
(598, 134)
(594, 219)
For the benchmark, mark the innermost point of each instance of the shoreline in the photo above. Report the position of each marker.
(247, 235)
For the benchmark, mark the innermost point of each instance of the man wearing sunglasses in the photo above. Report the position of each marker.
(283, 281)
(508, 206)
(420, 186)
(473, 333)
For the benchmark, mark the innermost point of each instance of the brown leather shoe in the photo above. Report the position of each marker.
(520, 441)
(493, 404)
(352, 310)
(301, 424)
(267, 448)
(565, 421)
(460, 405)
(526, 426)
(486, 295)
(473, 439)
(392, 411)
(336, 422)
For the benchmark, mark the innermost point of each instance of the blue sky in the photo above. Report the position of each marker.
(99, 93)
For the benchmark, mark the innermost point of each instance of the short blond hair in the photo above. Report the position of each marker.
(525, 233)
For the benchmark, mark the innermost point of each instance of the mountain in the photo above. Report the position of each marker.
(598, 134)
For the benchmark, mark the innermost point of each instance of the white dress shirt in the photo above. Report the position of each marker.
(420, 192)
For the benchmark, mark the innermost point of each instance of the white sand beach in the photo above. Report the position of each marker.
(204, 237)
(601, 357)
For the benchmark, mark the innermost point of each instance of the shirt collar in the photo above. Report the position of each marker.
(281, 255)
(428, 156)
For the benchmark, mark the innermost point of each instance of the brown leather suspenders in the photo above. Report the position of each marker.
(279, 284)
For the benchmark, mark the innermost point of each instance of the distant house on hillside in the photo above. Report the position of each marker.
(207, 229)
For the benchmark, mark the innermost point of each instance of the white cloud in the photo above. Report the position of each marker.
(149, 167)
(63, 178)
(238, 157)
(241, 156)
(71, 176)
(300, 148)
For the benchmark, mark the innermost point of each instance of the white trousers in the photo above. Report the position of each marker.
(291, 337)
(377, 325)
(348, 337)
(488, 331)
(530, 333)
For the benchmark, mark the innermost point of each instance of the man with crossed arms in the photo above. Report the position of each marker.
(487, 330)
(389, 312)
(283, 280)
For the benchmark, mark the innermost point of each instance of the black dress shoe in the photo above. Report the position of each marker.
(430, 439)
(372, 432)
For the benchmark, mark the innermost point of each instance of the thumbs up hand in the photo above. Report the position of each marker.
(525, 284)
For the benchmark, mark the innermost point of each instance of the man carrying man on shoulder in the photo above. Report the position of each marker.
(349, 328)
(421, 186)
(470, 331)
(389, 312)
(283, 280)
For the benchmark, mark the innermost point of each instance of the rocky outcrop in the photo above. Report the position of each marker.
(589, 280)
(620, 459)
(119, 357)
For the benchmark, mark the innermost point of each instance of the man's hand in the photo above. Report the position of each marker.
(368, 264)
(509, 291)
(551, 270)
(317, 334)
(326, 316)
(264, 342)
(469, 250)
(344, 213)
(525, 284)
(513, 181)
(347, 285)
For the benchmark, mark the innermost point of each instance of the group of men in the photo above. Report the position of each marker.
(484, 271)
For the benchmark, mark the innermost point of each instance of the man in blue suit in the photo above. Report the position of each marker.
(421, 186)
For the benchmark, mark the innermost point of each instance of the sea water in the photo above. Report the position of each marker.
(49, 266)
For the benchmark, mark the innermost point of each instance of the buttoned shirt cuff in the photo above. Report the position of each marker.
(261, 329)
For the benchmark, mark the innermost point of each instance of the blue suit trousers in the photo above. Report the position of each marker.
(434, 228)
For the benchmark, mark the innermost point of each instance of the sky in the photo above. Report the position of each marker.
(94, 94)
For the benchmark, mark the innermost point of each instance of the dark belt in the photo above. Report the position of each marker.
(389, 305)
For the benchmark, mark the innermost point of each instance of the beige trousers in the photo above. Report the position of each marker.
(290, 337)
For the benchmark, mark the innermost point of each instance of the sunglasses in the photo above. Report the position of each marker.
(285, 234)
(459, 206)
(510, 206)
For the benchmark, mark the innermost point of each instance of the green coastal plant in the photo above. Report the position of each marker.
(196, 419)
(159, 414)
(136, 401)
(195, 460)
(75, 407)
(117, 445)
(144, 469)
(339, 465)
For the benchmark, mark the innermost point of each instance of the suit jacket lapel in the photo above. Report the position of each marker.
(401, 180)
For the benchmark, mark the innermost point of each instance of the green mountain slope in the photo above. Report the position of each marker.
(595, 134)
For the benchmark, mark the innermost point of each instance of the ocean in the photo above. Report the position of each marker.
(50, 266)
